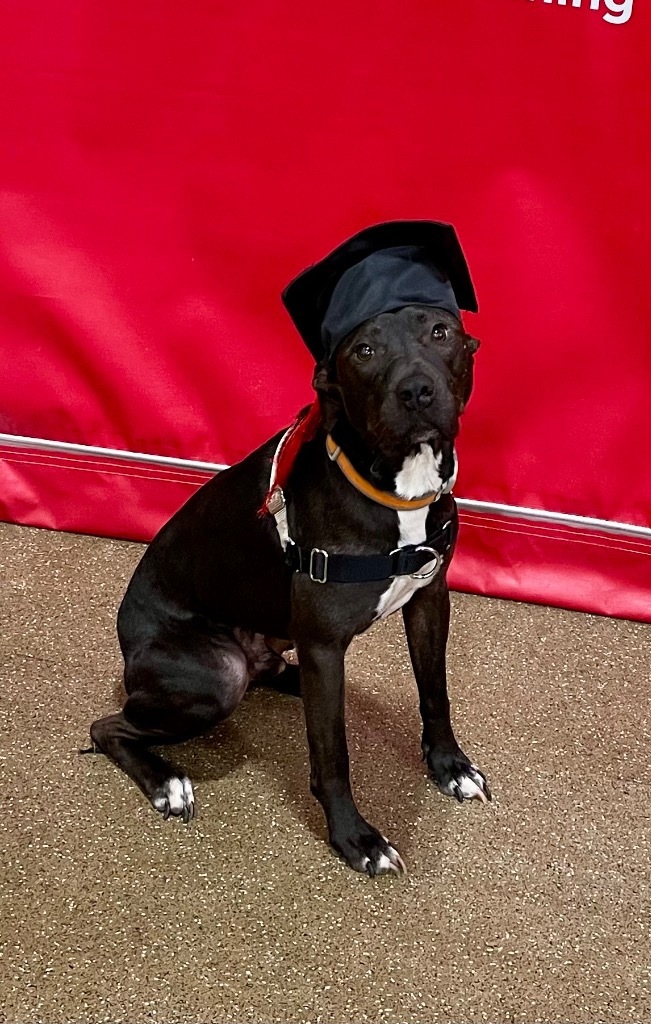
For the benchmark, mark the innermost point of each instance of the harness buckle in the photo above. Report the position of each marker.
(323, 575)
(437, 558)
(276, 502)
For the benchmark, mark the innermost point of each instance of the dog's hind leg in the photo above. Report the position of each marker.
(167, 788)
(176, 692)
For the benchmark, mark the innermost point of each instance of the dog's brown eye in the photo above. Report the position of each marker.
(364, 353)
(439, 332)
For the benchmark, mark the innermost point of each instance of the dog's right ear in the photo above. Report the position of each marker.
(328, 394)
(320, 381)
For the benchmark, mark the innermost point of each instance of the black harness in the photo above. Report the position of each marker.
(323, 567)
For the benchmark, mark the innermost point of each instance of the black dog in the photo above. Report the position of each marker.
(363, 524)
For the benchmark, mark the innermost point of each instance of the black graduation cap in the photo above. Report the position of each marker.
(380, 269)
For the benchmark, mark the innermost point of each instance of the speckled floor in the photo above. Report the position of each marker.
(535, 908)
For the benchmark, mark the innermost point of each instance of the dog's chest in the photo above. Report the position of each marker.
(419, 475)
(412, 531)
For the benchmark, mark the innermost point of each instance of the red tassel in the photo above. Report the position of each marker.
(304, 429)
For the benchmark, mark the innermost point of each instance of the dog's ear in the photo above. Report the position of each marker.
(328, 394)
(464, 385)
(472, 344)
(320, 381)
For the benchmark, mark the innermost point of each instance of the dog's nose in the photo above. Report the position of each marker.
(416, 392)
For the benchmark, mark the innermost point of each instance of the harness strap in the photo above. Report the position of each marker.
(323, 567)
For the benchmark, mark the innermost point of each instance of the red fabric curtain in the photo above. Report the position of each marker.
(166, 169)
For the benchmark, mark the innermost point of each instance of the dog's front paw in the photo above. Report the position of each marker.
(367, 851)
(175, 797)
(456, 776)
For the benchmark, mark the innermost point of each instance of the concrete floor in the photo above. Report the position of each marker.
(535, 908)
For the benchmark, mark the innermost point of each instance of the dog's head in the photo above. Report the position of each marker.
(382, 316)
(402, 380)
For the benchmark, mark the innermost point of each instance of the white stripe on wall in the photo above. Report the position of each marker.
(69, 448)
(465, 504)
(557, 518)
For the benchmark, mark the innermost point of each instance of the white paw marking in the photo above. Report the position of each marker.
(178, 795)
(470, 789)
(383, 864)
(188, 791)
(174, 789)
(391, 861)
(396, 863)
(470, 784)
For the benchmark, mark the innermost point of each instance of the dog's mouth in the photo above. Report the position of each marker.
(395, 448)
(429, 436)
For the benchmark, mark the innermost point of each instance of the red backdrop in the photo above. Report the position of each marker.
(166, 169)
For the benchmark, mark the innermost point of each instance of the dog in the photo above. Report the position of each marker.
(328, 527)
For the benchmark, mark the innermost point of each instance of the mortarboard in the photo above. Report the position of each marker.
(378, 270)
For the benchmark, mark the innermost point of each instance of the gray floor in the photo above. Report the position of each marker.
(535, 908)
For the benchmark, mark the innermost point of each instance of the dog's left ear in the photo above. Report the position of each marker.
(472, 344)
(328, 395)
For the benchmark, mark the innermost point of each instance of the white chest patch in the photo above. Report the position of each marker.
(412, 531)
(419, 475)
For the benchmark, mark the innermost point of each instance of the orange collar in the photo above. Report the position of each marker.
(335, 454)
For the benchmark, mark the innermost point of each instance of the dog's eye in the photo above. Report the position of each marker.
(439, 332)
(364, 353)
